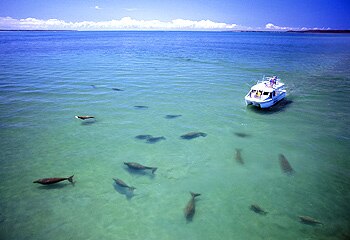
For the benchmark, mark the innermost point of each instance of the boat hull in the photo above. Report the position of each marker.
(265, 103)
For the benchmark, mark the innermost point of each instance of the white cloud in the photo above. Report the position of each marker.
(125, 23)
(130, 9)
(273, 27)
(97, 8)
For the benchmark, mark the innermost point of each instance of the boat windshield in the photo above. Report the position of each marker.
(260, 94)
(265, 95)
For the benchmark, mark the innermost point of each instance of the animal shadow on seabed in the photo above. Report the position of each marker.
(140, 172)
(124, 191)
(56, 186)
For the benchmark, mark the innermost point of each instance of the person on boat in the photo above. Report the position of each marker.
(274, 80)
(258, 94)
(252, 92)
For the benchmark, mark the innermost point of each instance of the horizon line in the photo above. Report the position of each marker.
(169, 30)
(128, 23)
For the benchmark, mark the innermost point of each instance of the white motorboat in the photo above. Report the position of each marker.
(266, 93)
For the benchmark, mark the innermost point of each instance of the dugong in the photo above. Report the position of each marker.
(192, 135)
(191, 206)
(239, 156)
(48, 181)
(117, 89)
(285, 166)
(123, 184)
(137, 166)
(155, 139)
(256, 208)
(150, 138)
(143, 137)
(309, 220)
(172, 116)
(242, 135)
(140, 107)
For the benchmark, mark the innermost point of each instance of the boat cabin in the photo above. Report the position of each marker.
(266, 93)
(263, 92)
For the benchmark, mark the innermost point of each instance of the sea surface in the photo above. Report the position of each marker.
(47, 78)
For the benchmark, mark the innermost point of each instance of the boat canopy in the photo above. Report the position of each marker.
(263, 86)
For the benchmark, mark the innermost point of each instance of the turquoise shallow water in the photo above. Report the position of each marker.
(47, 78)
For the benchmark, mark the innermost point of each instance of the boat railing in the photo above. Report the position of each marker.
(276, 81)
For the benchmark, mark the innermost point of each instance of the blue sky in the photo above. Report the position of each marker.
(195, 14)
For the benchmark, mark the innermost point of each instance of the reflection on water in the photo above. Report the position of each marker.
(88, 122)
(281, 106)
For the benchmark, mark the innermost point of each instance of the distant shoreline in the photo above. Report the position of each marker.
(237, 31)
(301, 31)
(321, 31)
(19, 30)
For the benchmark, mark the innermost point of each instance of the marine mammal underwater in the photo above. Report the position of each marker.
(137, 166)
(242, 135)
(150, 138)
(192, 135)
(48, 181)
(117, 89)
(285, 165)
(143, 137)
(190, 208)
(309, 220)
(140, 107)
(155, 139)
(256, 208)
(123, 184)
(239, 158)
(172, 116)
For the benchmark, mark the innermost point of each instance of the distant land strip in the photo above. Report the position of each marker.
(247, 31)
(320, 31)
(38, 30)
(295, 31)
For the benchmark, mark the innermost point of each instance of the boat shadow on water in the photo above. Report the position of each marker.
(278, 107)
